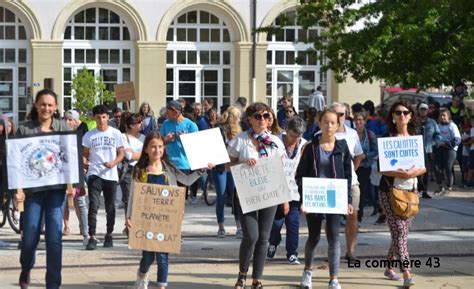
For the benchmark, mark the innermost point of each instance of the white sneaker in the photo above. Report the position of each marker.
(306, 282)
(142, 281)
(293, 260)
(85, 241)
(334, 284)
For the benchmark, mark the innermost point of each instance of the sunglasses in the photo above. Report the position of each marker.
(340, 114)
(258, 116)
(117, 116)
(399, 112)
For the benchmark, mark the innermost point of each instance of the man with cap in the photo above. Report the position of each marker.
(431, 136)
(172, 128)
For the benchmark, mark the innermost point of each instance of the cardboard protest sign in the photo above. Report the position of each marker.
(44, 160)
(205, 147)
(261, 186)
(157, 215)
(401, 152)
(289, 167)
(124, 91)
(325, 196)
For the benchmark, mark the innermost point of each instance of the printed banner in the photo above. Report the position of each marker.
(157, 215)
(325, 196)
(261, 186)
(43, 160)
(401, 153)
(205, 147)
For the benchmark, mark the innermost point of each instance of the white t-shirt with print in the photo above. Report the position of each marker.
(136, 144)
(241, 147)
(103, 147)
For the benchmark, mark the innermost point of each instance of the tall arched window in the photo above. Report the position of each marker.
(284, 75)
(14, 65)
(199, 58)
(98, 39)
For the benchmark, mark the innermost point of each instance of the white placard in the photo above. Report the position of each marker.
(261, 186)
(325, 196)
(401, 153)
(205, 147)
(40, 161)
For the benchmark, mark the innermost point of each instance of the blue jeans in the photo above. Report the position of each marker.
(161, 261)
(222, 180)
(51, 205)
(292, 222)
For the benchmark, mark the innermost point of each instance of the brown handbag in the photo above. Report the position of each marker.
(404, 203)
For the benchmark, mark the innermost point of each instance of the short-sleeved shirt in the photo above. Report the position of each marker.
(175, 149)
(241, 147)
(136, 144)
(355, 148)
(102, 147)
(471, 134)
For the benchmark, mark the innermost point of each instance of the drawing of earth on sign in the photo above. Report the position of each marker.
(41, 161)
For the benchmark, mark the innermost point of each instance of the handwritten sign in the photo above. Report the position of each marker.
(157, 215)
(205, 147)
(124, 91)
(289, 167)
(47, 160)
(261, 186)
(325, 196)
(401, 153)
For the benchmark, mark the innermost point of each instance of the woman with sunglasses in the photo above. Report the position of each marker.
(325, 157)
(400, 123)
(290, 112)
(247, 147)
(446, 151)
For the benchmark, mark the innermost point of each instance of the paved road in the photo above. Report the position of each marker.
(444, 229)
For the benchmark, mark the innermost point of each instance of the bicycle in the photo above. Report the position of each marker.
(9, 212)
(209, 190)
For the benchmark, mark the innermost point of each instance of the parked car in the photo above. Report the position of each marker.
(415, 98)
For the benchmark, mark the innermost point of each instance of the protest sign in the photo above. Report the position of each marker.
(157, 215)
(401, 153)
(289, 167)
(261, 186)
(44, 160)
(325, 196)
(124, 91)
(205, 147)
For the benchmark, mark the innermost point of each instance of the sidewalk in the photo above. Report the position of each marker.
(277, 275)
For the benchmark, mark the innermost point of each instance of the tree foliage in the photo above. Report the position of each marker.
(419, 43)
(89, 90)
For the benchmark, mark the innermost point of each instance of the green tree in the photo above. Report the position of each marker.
(419, 43)
(89, 91)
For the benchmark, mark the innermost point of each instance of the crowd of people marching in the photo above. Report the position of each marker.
(326, 141)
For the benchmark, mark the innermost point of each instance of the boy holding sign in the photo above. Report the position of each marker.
(153, 167)
(324, 157)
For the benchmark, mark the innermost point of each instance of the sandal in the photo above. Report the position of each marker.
(390, 274)
(257, 285)
(240, 284)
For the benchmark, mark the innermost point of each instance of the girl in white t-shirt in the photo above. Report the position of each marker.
(132, 141)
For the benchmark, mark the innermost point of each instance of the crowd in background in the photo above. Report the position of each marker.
(448, 136)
